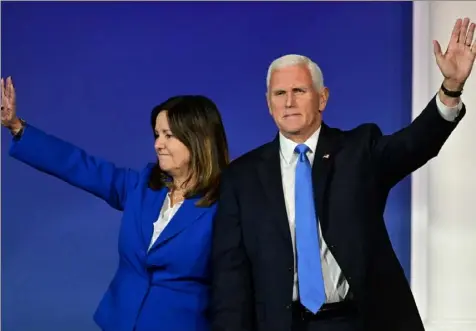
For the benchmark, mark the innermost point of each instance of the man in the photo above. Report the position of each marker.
(296, 248)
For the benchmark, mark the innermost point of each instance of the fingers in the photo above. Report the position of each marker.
(463, 34)
(7, 88)
(10, 89)
(3, 91)
(456, 31)
(463, 30)
(8, 92)
(437, 48)
(470, 35)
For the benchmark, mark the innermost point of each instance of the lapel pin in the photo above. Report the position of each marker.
(326, 156)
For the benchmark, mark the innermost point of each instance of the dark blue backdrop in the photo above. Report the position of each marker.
(91, 72)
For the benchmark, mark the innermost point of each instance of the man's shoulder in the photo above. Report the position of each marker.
(359, 134)
(250, 158)
(245, 164)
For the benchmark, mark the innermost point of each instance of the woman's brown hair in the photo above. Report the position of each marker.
(196, 122)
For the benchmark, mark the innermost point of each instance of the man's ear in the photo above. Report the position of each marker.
(268, 102)
(323, 98)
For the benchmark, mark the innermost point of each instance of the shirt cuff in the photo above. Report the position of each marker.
(448, 113)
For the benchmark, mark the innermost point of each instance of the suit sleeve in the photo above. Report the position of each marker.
(232, 299)
(71, 164)
(398, 155)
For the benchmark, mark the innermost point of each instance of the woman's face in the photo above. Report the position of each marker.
(173, 155)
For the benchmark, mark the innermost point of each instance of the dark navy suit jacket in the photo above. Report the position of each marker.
(165, 289)
(353, 173)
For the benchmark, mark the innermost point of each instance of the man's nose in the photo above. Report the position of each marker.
(289, 100)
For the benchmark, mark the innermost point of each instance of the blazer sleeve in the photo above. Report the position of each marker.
(399, 154)
(232, 303)
(73, 165)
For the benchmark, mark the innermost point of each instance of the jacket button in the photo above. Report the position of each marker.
(288, 307)
(290, 269)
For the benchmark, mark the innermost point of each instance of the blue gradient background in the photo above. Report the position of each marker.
(91, 72)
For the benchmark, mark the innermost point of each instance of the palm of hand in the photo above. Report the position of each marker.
(457, 62)
(8, 108)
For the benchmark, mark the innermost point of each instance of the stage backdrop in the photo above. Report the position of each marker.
(91, 72)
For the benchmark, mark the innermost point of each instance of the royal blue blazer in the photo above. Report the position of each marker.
(164, 289)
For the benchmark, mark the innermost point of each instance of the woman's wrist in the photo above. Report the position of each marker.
(16, 126)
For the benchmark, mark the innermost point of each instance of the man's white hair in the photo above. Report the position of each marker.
(293, 60)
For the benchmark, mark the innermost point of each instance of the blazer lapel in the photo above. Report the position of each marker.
(270, 174)
(185, 215)
(327, 148)
(151, 206)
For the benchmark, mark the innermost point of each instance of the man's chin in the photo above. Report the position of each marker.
(292, 131)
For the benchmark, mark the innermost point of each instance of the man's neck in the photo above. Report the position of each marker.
(300, 138)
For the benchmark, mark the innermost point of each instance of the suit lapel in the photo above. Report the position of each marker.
(270, 175)
(151, 206)
(185, 215)
(326, 150)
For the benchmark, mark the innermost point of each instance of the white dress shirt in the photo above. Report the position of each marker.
(336, 285)
(166, 213)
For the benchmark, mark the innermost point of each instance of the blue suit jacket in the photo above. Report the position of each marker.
(166, 288)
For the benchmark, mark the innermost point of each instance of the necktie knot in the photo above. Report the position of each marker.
(302, 149)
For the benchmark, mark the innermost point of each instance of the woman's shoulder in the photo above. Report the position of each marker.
(142, 182)
(146, 170)
(143, 174)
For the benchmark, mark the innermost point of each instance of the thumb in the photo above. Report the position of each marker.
(437, 51)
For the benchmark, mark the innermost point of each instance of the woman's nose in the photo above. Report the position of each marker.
(159, 144)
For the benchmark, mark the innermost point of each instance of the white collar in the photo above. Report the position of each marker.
(287, 146)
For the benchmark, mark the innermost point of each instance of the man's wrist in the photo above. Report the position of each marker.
(452, 85)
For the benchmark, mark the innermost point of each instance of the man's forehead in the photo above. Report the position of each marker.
(290, 85)
(291, 76)
(292, 70)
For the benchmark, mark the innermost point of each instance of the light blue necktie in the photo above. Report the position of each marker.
(311, 284)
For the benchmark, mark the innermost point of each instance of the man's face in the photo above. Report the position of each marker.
(294, 103)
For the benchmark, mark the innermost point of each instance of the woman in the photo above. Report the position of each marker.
(162, 281)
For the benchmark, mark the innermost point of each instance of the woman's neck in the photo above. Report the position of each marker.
(178, 191)
(179, 185)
